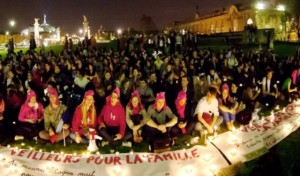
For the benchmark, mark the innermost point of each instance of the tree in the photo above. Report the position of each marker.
(147, 24)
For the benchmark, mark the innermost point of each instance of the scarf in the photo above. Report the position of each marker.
(180, 109)
(294, 76)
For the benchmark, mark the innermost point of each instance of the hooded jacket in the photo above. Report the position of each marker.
(81, 124)
(26, 112)
(113, 116)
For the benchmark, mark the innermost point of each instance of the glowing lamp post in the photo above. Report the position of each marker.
(12, 23)
(251, 29)
(281, 7)
(260, 6)
(119, 31)
(80, 32)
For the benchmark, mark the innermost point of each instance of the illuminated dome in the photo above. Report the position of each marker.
(43, 28)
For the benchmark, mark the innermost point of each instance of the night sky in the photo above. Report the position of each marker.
(111, 14)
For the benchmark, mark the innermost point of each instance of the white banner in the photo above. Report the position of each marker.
(253, 140)
(193, 162)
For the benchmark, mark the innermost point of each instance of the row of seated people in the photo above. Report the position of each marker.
(116, 124)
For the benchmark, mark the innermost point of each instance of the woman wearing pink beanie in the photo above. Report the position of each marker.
(30, 117)
(185, 123)
(84, 118)
(136, 116)
(112, 121)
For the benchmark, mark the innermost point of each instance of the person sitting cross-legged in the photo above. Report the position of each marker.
(112, 122)
(30, 118)
(207, 112)
(186, 123)
(136, 116)
(84, 118)
(228, 107)
(162, 119)
(270, 92)
(56, 117)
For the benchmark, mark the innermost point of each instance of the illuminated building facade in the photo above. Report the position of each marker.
(236, 18)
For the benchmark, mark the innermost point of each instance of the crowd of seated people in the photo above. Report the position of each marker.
(134, 95)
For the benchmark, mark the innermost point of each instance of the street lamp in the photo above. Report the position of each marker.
(251, 29)
(250, 21)
(80, 31)
(281, 7)
(260, 5)
(119, 31)
(12, 23)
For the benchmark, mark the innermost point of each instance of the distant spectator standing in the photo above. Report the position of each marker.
(10, 46)
(32, 43)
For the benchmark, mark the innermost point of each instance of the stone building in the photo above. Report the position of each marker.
(236, 18)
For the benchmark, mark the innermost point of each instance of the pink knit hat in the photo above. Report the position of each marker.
(52, 91)
(181, 95)
(159, 96)
(30, 94)
(136, 110)
(117, 91)
(225, 87)
(88, 93)
(135, 93)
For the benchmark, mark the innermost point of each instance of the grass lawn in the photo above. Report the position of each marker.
(58, 48)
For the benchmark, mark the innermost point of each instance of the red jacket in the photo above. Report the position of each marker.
(77, 124)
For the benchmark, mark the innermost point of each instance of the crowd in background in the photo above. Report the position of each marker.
(136, 93)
